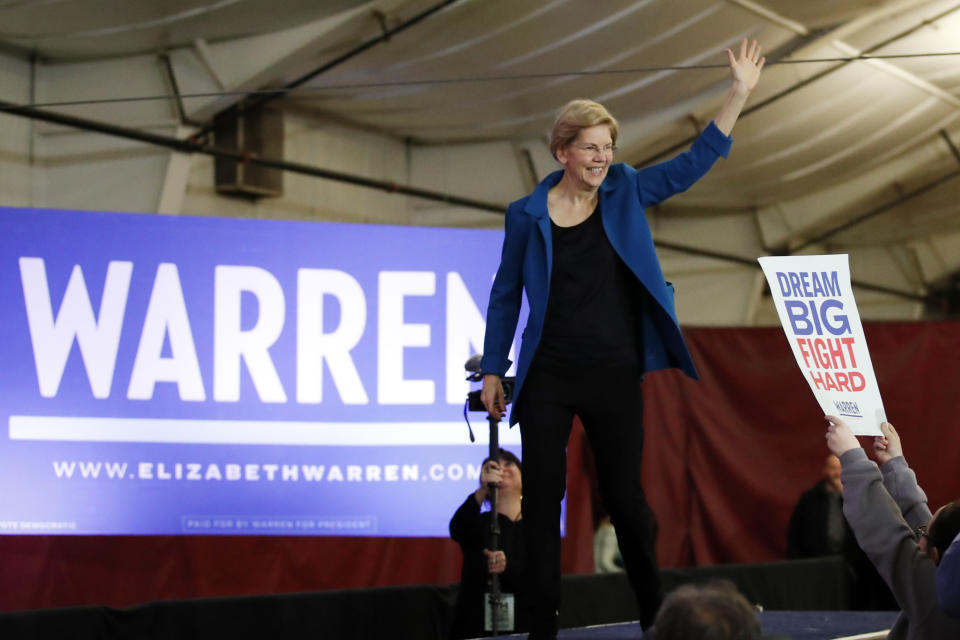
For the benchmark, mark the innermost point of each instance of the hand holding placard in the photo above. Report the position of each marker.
(887, 447)
(840, 438)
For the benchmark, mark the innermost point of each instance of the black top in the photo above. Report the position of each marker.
(471, 530)
(812, 532)
(594, 305)
(817, 526)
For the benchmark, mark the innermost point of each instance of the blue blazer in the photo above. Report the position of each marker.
(526, 262)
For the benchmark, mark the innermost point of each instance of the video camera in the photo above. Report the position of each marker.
(472, 367)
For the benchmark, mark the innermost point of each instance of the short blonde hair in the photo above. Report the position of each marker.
(576, 115)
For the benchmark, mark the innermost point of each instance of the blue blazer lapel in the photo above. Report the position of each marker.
(536, 206)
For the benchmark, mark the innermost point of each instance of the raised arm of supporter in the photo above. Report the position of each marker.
(899, 478)
(886, 537)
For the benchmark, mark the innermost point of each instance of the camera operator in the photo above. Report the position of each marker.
(470, 528)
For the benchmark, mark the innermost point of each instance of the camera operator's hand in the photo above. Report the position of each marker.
(492, 395)
(496, 561)
(491, 473)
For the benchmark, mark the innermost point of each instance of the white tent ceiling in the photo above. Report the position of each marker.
(833, 155)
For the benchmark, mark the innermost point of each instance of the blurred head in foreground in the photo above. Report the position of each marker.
(711, 611)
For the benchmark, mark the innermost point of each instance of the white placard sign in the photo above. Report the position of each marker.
(815, 302)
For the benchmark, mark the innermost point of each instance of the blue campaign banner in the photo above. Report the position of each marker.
(190, 375)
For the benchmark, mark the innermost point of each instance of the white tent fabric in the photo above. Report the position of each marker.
(834, 155)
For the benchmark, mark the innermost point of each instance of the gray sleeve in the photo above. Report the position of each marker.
(901, 483)
(885, 536)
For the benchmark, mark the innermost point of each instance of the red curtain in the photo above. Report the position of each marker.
(727, 456)
(725, 459)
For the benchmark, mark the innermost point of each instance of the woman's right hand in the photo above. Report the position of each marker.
(492, 395)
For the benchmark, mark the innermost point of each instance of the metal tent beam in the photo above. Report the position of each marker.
(192, 145)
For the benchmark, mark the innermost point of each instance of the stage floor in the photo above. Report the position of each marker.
(798, 625)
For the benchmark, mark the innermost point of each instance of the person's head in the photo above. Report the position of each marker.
(940, 532)
(710, 611)
(583, 139)
(510, 468)
(831, 473)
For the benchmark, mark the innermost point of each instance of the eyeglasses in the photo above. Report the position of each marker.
(593, 149)
(920, 532)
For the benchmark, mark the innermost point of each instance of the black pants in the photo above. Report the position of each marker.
(610, 406)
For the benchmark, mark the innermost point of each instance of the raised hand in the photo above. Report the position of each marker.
(491, 473)
(887, 446)
(746, 67)
(840, 438)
